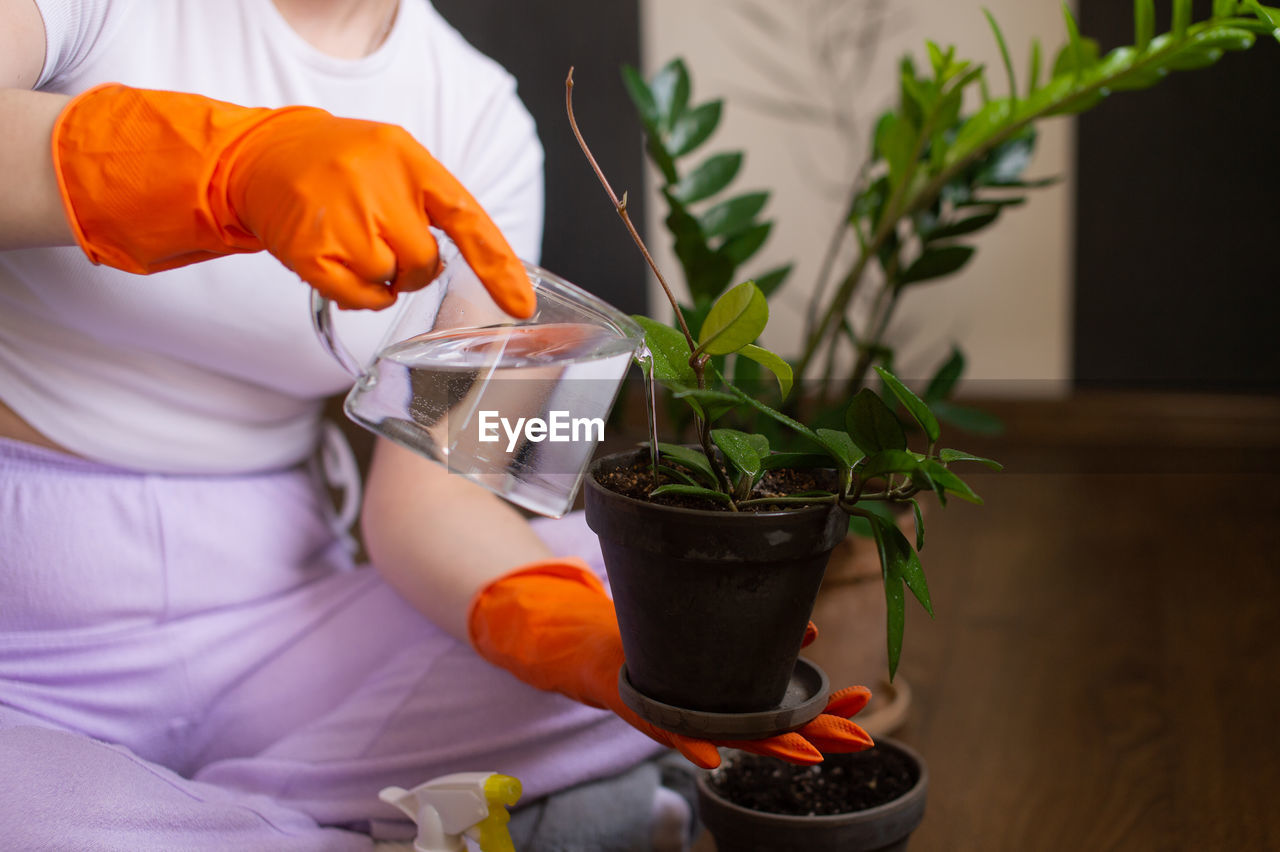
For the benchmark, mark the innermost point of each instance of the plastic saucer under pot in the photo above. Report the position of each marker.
(805, 699)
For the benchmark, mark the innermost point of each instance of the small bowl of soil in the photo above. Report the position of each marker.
(863, 802)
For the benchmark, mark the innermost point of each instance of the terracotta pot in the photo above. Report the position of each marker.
(884, 828)
(712, 605)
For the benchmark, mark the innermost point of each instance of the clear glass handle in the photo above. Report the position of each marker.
(322, 322)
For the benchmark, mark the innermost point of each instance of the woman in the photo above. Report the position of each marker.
(187, 659)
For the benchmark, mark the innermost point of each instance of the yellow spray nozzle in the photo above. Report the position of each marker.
(491, 834)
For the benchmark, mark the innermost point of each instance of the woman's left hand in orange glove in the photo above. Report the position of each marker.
(552, 625)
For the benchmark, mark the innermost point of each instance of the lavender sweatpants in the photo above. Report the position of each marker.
(191, 663)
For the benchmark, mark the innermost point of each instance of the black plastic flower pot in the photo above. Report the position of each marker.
(712, 605)
(882, 828)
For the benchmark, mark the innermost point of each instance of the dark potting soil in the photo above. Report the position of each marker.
(637, 481)
(842, 783)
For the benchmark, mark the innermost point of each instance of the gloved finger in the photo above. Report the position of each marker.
(792, 747)
(370, 259)
(848, 701)
(701, 753)
(834, 735)
(417, 257)
(454, 210)
(810, 634)
(334, 280)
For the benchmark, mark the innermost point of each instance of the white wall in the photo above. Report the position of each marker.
(1010, 308)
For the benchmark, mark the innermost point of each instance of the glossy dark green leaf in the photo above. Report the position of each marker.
(795, 461)
(840, 445)
(946, 479)
(772, 413)
(688, 457)
(711, 405)
(694, 127)
(736, 319)
(886, 462)
(872, 425)
(770, 281)
(918, 517)
(669, 351)
(738, 449)
(689, 491)
(742, 246)
(670, 88)
(949, 456)
(904, 562)
(936, 262)
(732, 216)
(675, 473)
(641, 97)
(914, 404)
(775, 363)
(713, 175)
(944, 381)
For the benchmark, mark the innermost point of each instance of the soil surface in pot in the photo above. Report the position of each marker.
(842, 783)
(637, 482)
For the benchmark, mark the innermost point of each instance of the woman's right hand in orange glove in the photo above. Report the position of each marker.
(552, 625)
(152, 180)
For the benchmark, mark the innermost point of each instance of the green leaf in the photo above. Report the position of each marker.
(709, 404)
(872, 425)
(675, 473)
(1076, 46)
(732, 216)
(912, 403)
(919, 519)
(945, 479)
(1004, 55)
(669, 351)
(694, 127)
(900, 566)
(772, 413)
(713, 175)
(770, 281)
(794, 461)
(1266, 14)
(949, 456)
(962, 227)
(1033, 77)
(739, 449)
(936, 262)
(1144, 23)
(690, 458)
(906, 564)
(740, 247)
(689, 491)
(944, 381)
(670, 88)
(641, 96)
(1224, 8)
(736, 319)
(773, 362)
(886, 462)
(840, 445)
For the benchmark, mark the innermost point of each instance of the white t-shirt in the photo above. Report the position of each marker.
(214, 368)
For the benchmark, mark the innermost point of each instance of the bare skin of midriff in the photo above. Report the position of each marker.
(14, 427)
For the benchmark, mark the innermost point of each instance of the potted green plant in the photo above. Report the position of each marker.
(935, 176)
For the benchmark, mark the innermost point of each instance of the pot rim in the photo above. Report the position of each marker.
(917, 790)
(681, 510)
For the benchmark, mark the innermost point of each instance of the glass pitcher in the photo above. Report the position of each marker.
(518, 406)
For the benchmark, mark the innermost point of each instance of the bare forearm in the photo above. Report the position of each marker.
(437, 538)
(31, 212)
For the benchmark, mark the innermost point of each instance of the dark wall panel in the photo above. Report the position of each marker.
(584, 240)
(1178, 223)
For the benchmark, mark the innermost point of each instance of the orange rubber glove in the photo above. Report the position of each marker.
(552, 625)
(153, 180)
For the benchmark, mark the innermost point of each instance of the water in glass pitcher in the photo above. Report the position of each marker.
(519, 409)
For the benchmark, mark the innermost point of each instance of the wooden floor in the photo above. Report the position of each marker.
(1103, 672)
